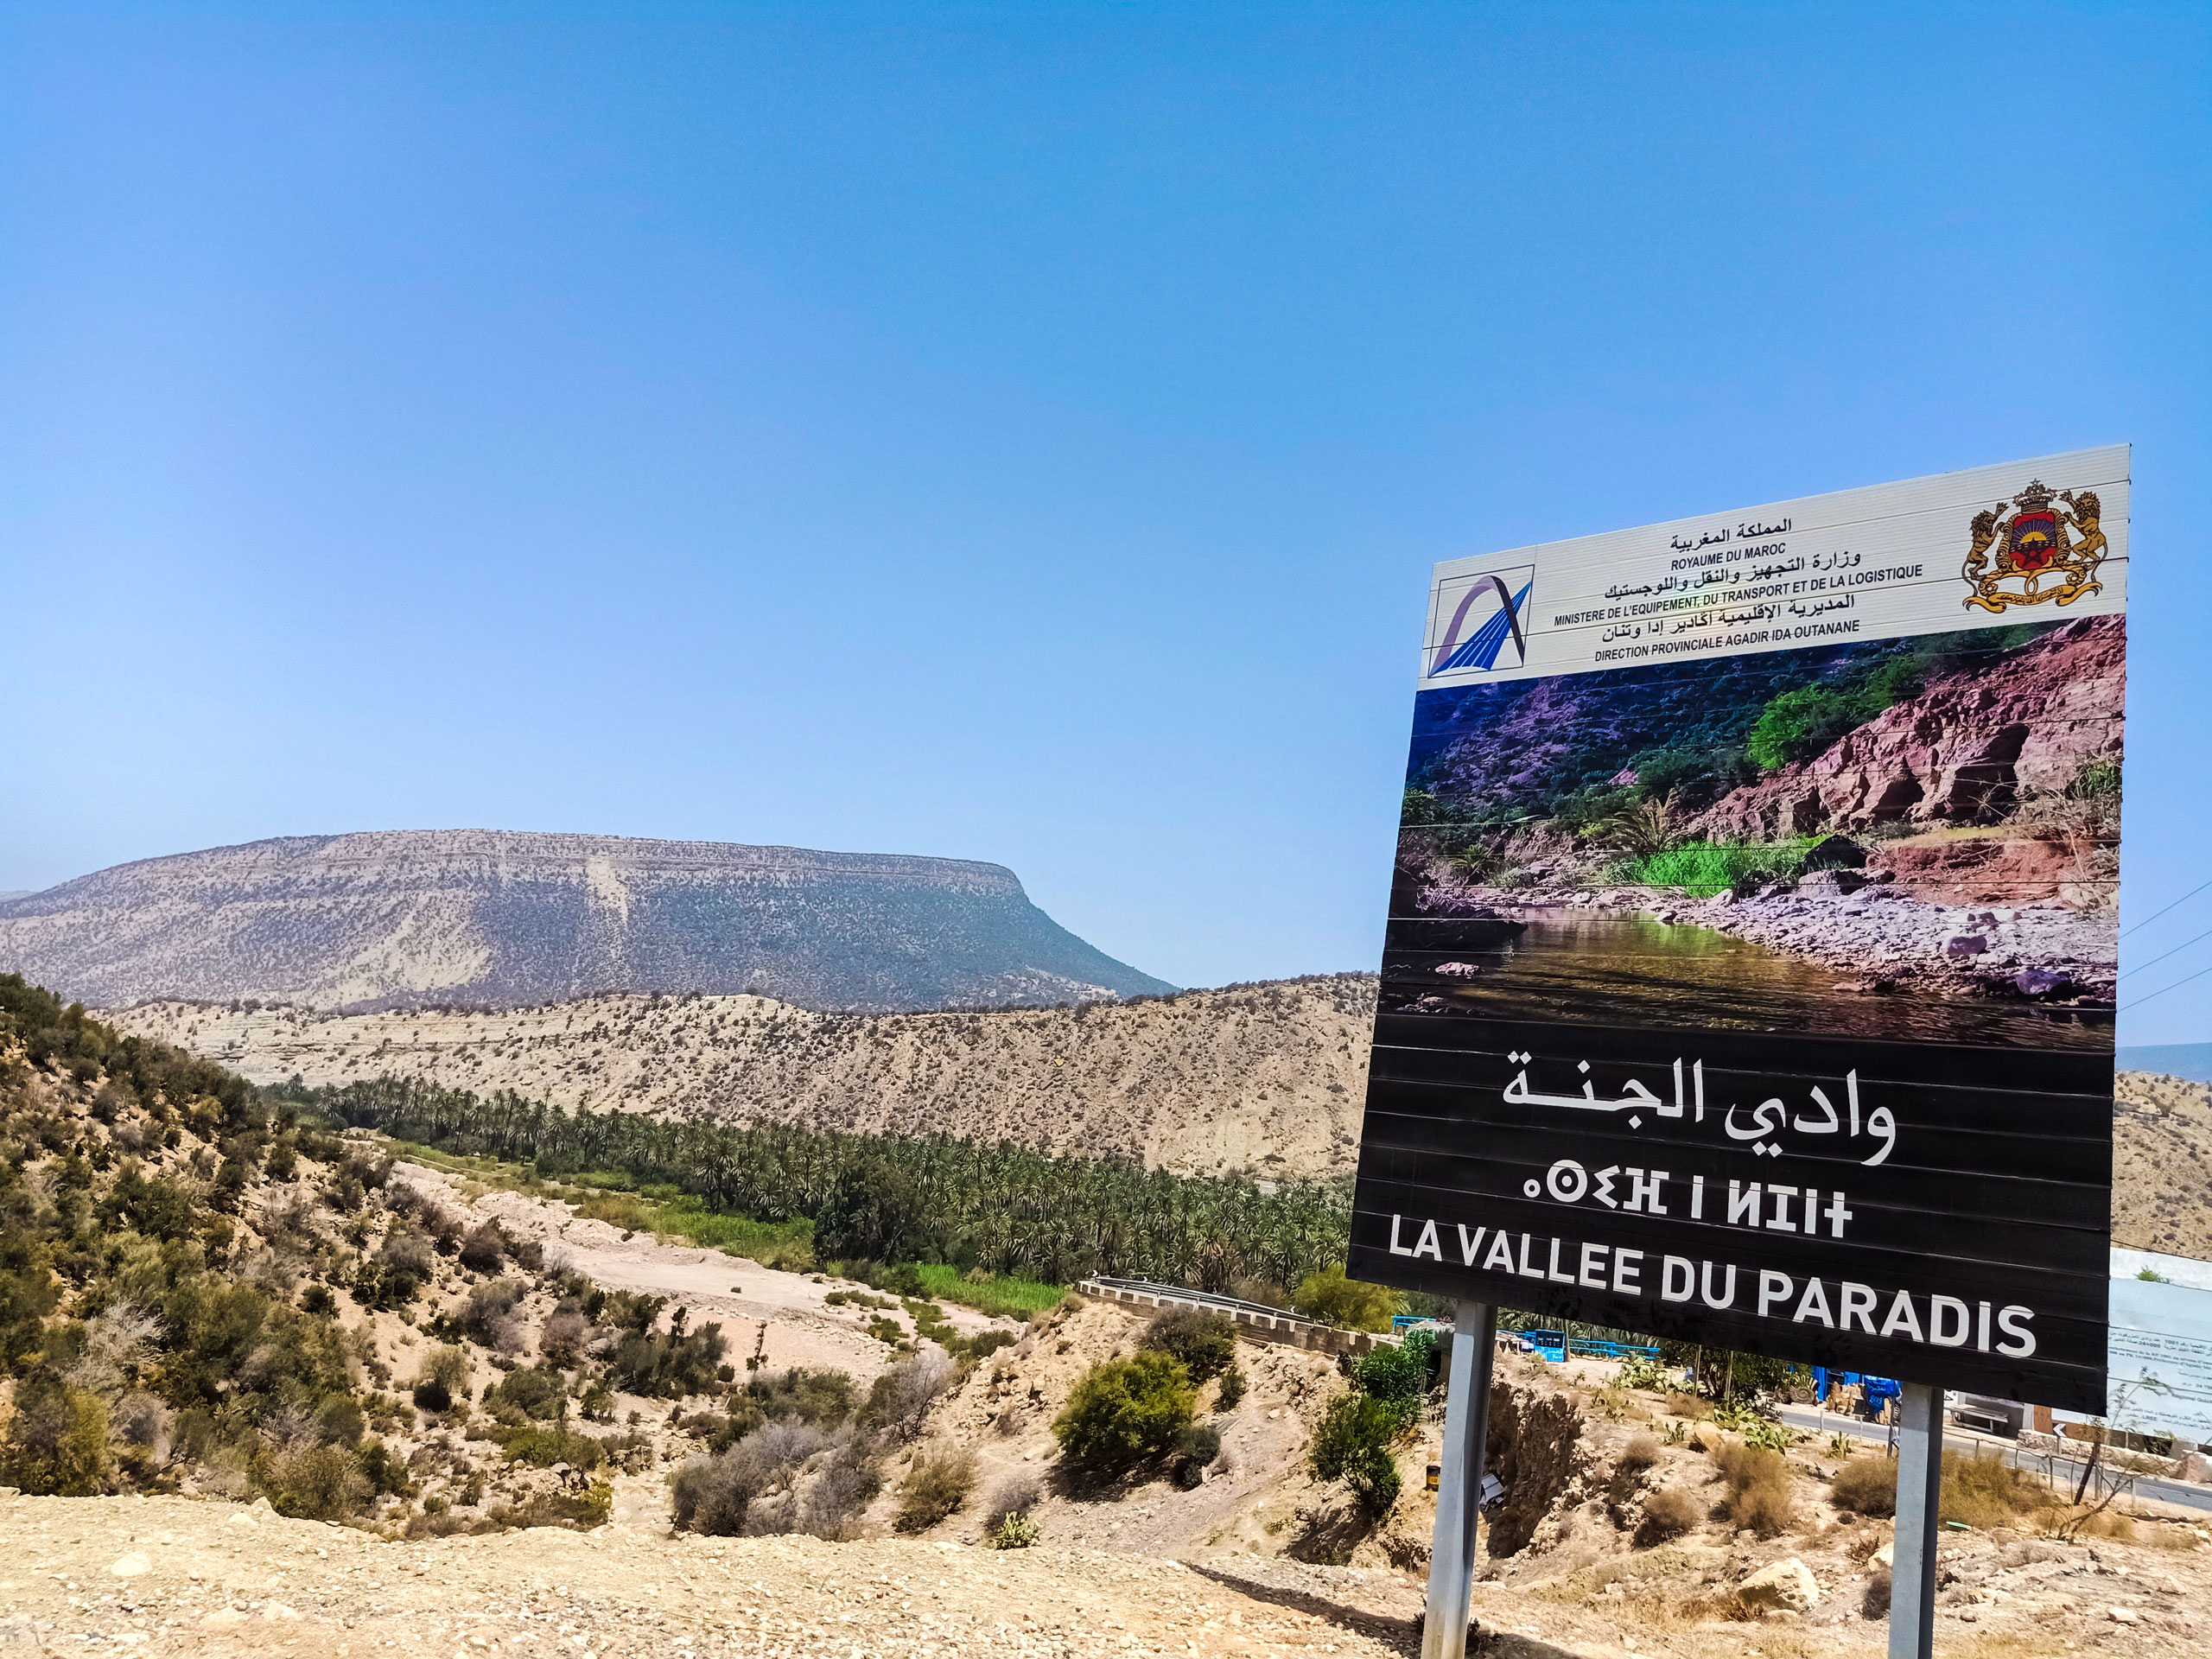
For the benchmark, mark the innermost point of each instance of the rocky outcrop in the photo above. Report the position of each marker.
(1784, 1586)
(1961, 752)
(494, 918)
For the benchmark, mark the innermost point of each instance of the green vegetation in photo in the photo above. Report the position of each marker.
(1703, 868)
(1798, 725)
(1358, 1438)
(1684, 733)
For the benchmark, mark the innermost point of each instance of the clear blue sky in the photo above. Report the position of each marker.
(1020, 433)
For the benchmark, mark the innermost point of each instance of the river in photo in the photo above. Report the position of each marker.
(1624, 968)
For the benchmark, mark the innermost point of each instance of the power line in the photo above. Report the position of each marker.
(2177, 905)
(2176, 986)
(2177, 951)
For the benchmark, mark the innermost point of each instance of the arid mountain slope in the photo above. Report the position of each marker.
(1267, 1077)
(2162, 1165)
(494, 918)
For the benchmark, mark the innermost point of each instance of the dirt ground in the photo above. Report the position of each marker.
(175, 1576)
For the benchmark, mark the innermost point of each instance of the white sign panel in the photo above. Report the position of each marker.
(1956, 550)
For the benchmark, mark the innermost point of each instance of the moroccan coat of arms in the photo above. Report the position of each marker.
(2038, 548)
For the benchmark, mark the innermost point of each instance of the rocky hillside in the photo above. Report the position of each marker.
(494, 918)
(1969, 752)
(1269, 1078)
(1265, 1078)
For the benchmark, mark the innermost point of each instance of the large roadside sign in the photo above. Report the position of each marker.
(1750, 960)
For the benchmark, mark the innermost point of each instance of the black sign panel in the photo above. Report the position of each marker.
(1762, 997)
(1915, 1210)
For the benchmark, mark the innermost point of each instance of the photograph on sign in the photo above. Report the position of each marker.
(1750, 968)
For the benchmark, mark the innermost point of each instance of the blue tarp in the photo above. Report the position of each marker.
(1878, 1388)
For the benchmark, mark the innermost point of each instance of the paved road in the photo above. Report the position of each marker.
(2166, 1491)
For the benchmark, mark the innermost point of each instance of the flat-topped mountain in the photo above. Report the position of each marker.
(499, 918)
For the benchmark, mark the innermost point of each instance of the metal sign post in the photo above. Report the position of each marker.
(1920, 1488)
(1460, 1482)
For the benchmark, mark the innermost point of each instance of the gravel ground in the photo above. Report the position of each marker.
(182, 1576)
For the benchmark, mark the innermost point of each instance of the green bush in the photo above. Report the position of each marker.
(672, 1364)
(823, 1398)
(443, 1378)
(1354, 1445)
(1231, 1389)
(1396, 1375)
(536, 1393)
(544, 1446)
(1196, 1448)
(1205, 1341)
(56, 1444)
(1126, 1410)
(1349, 1304)
(1642, 1371)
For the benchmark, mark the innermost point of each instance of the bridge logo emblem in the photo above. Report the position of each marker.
(1472, 620)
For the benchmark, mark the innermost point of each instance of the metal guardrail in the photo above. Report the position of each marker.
(1258, 1320)
(1152, 1287)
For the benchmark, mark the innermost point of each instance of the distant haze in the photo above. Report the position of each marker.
(494, 918)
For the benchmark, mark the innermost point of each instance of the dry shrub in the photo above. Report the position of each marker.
(1015, 1494)
(1758, 1488)
(1627, 1480)
(1534, 1449)
(716, 1496)
(845, 1484)
(1875, 1603)
(1866, 1486)
(565, 1338)
(578, 1511)
(1688, 1405)
(1986, 1492)
(1668, 1514)
(2105, 1524)
(938, 1486)
(1869, 1540)
(314, 1482)
(900, 1399)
